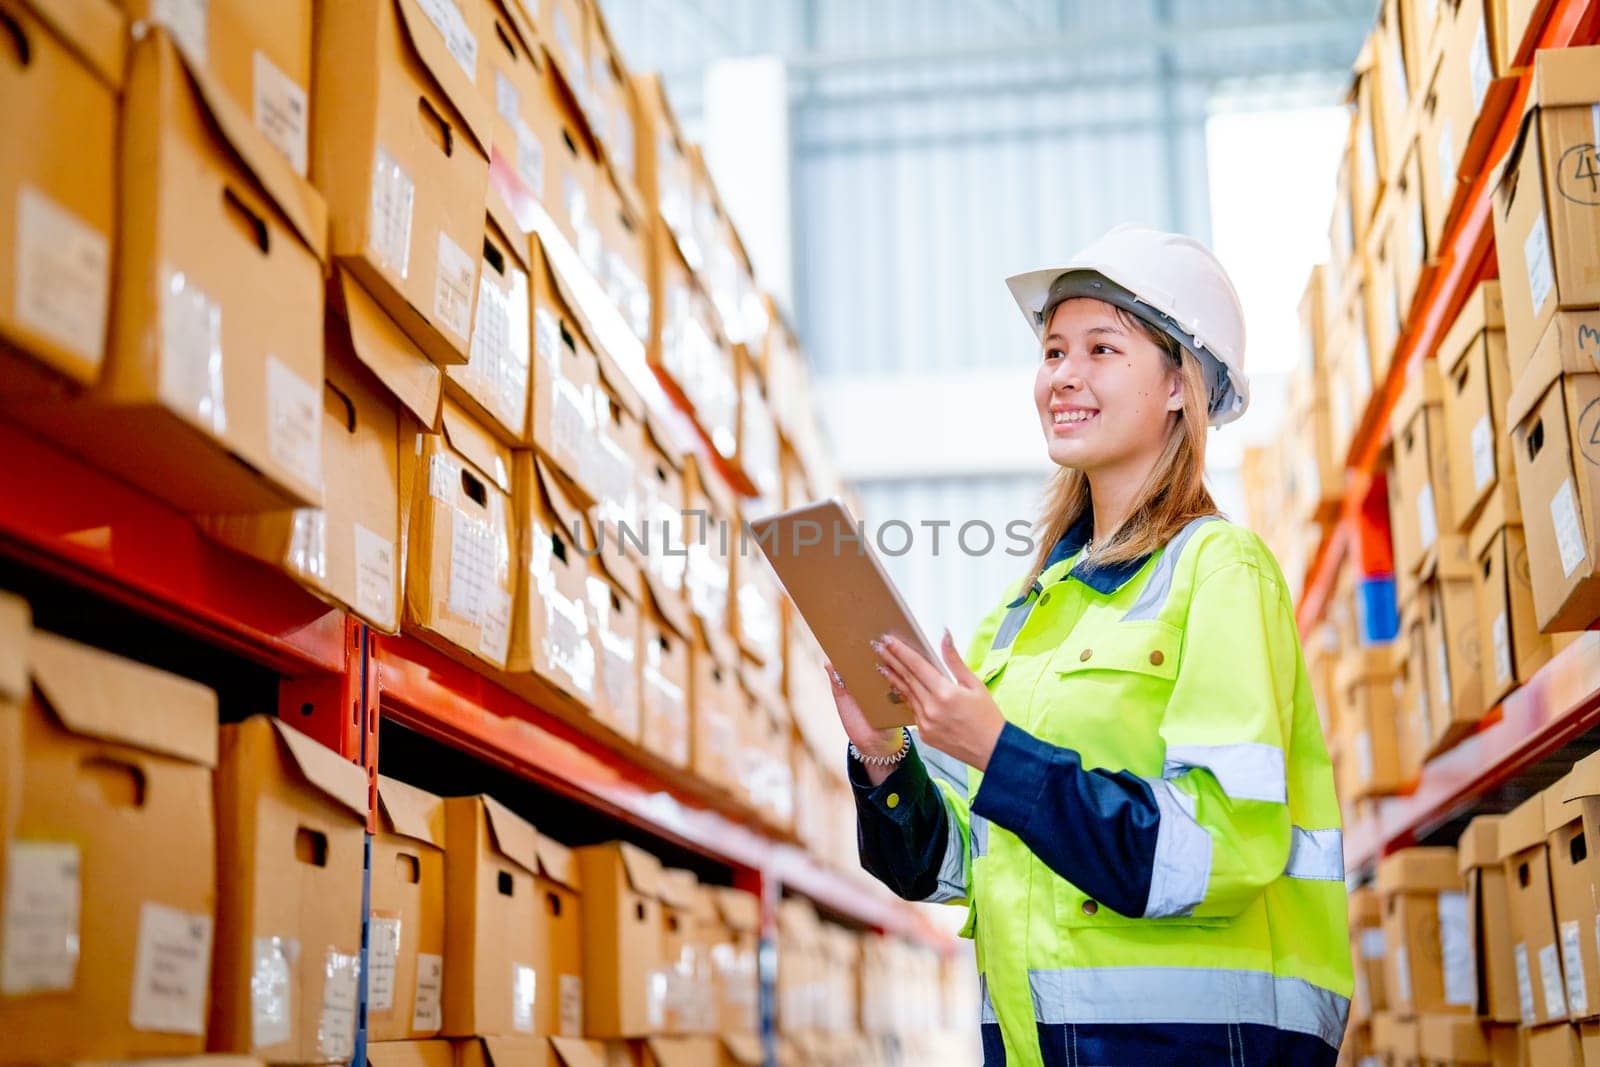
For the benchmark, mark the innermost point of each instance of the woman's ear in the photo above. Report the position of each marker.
(1175, 391)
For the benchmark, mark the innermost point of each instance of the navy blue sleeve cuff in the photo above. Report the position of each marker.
(907, 783)
(1018, 771)
(901, 826)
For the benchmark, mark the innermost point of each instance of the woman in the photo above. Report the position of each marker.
(1147, 838)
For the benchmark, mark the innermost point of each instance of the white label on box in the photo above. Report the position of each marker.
(458, 37)
(571, 992)
(471, 566)
(444, 478)
(375, 576)
(1555, 996)
(1572, 960)
(430, 992)
(569, 45)
(1502, 649)
(1455, 949)
(495, 641)
(1402, 973)
(308, 542)
(1447, 162)
(191, 351)
(172, 966)
(658, 985)
(39, 937)
(507, 101)
(294, 422)
(570, 425)
(1524, 985)
(1569, 531)
(530, 158)
(546, 336)
(393, 200)
(282, 112)
(270, 990)
(1482, 452)
(187, 21)
(1536, 253)
(1372, 943)
(452, 290)
(63, 275)
(1364, 755)
(1482, 70)
(1427, 518)
(1363, 1004)
(523, 992)
(336, 1029)
(1441, 656)
(491, 335)
(383, 956)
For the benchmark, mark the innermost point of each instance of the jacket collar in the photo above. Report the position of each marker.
(1103, 578)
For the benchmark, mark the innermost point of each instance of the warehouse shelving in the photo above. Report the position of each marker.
(1562, 701)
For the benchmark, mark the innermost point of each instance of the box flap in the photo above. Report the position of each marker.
(476, 445)
(513, 835)
(557, 863)
(341, 780)
(670, 609)
(294, 197)
(1452, 1039)
(501, 224)
(417, 1054)
(1370, 664)
(1523, 827)
(678, 888)
(459, 90)
(94, 30)
(718, 642)
(682, 1051)
(1479, 844)
(662, 433)
(378, 342)
(1488, 526)
(744, 1048)
(1559, 811)
(740, 910)
(1565, 77)
(569, 515)
(1513, 160)
(1583, 780)
(521, 20)
(1421, 390)
(621, 386)
(1421, 869)
(16, 623)
(411, 812)
(643, 869)
(1483, 310)
(99, 695)
(1552, 358)
(578, 1053)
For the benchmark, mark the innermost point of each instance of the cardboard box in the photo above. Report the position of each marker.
(378, 342)
(491, 924)
(661, 509)
(1427, 930)
(1511, 648)
(612, 107)
(565, 377)
(733, 961)
(1396, 74)
(515, 1052)
(1536, 952)
(558, 965)
(1411, 242)
(664, 168)
(1419, 491)
(419, 1054)
(1454, 668)
(291, 833)
(346, 551)
(1547, 205)
(1365, 684)
(1385, 316)
(1554, 418)
(1488, 910)
(664, 677)
(1368, 950)
(1476, 386)
(757, 597)
(107, 763)
(687, 920)
(493, 385)
(59, 196)
(713, 537)
(683, 330)
(261, 57)
(678, 1051)
(716, 710)
(619, 453)
(741, 1050)
(553, 654)
(398, 115)
(1452, 1040)
(758, 453)
(615, 610)
(1371, 147)
(572, 168)
(564, 27)
(622, 941)
(1555, 1046)
(1414, 696)
(208, 397)
(460, 582)
(1572, 881)
(524, 128)
(626, 233)
(405, 951)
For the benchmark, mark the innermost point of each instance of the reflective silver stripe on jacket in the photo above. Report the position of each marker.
(979, 829)
(1181, 867)
(1153, 597)
(953, 868)
(1186, 995)
(1316, 854)
(1248, 770)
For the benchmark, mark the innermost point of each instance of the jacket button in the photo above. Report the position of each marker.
(892, 800)
(1156, 658)
(1090, 907)
(1044, 600)
(1083, 657)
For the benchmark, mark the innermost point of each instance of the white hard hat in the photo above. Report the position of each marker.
(1172, 282)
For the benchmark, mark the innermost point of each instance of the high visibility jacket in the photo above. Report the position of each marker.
(1153, 862)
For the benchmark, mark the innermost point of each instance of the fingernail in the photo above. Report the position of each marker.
(838, 682)
(948, 639)
(881, 669)
(877, 645)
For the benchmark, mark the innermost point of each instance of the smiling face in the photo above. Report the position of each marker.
(1105, 390)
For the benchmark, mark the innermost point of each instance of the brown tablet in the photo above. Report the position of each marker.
(826, 562)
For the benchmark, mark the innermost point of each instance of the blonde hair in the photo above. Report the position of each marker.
(1173, 494)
